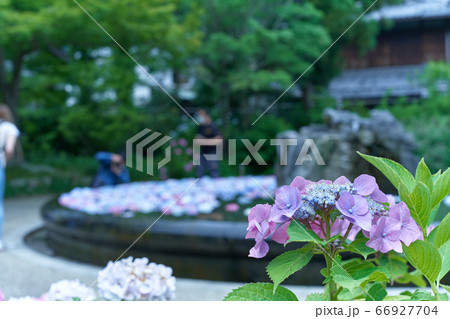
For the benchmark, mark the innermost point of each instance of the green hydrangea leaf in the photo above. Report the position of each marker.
(260, 292)
(395, 172)
(397, 298)
(418, 202)
(351, 294)
(359, 246)
(445, 287)
(420, 295)
(415, 277)
(298, 233)
(351, 275)
(441, 188)
(316, 297)
(444, 251)
(442, 232)
(396, 265)
(425, 257)
(432, 236)
(433, 214)
(288, 263)
(423, 175)
(376, 293)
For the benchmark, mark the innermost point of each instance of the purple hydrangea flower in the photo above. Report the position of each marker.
(339, 226)
(384, 236)
(280, 234)
(355, 209)
(287, 201)
(341, 180)
(300, 183)
(410, 231)
(366, 185)
(260, 249)
(259, 228)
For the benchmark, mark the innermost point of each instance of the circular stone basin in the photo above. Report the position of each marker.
(195, 248)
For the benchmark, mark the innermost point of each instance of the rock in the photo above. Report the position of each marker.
(339, 138)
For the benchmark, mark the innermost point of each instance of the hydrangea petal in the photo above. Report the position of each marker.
(365, 184)
(379, 196)
(259, 250)
(300, 183)
(280, 235)
(341, 180)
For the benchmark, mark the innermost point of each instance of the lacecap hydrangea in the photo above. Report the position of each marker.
(350, 208)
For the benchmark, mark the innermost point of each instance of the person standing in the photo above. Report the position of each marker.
(8, 138)
(210, 139)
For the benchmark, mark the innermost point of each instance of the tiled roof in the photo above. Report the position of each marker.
(377, 82)
(413, 9)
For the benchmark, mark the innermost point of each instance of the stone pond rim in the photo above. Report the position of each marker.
(200, 249)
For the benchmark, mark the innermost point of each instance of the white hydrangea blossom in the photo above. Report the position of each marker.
(67, 290)
(136, 279)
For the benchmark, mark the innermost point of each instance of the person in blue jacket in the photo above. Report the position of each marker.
(112, 170)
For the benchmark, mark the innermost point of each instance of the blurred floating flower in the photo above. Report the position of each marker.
(182, 141)
(355, 209)
(409, 231)
(177, 151)
(188, 167)
(67, 290)
(232, 207)
(173, 143)
(385, 235)
(287, 201)
(163, 173)
(137, 279)
(2, 297)
(189, 151)
(155, 196)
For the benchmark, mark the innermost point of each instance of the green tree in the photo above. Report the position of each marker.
(253, 50)
(53, 43)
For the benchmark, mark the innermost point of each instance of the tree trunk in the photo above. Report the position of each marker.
(308, 93)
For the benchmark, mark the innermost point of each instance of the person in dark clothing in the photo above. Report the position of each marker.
(210, 140)
(112, 170)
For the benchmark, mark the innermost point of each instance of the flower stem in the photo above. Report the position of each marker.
(435, 290)
(331, 285)
(347, 232)
(424, 232)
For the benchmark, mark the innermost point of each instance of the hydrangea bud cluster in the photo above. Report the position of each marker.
(347, 207)
(136, 279)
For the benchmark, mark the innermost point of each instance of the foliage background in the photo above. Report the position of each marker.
(71, 88)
